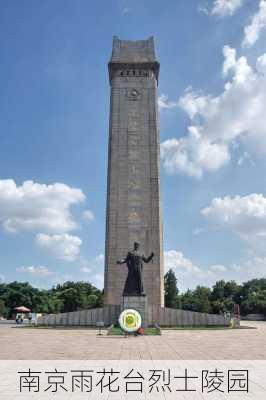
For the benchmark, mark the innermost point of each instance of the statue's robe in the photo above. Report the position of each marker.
(134, 282)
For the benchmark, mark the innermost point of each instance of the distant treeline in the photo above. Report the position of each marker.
(73, 296)
(70, 296)
(222, 297)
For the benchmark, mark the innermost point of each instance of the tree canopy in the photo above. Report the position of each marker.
(170, 289)
(69, 296)
(222, 297)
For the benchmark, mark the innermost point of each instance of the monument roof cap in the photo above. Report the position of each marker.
(133, 51)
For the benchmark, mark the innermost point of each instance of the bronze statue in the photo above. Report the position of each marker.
(134, 281)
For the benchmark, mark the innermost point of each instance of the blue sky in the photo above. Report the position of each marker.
(54, 110)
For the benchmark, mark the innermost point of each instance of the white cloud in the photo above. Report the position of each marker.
(85, 266)
(2, 278)
(193, 154)
(88, 215)
(236, 117)
(193, 103)
(97, 280)
(86, 270)
(34, 206)
(223, 8)
(261, 64)
(218, 268)
(244, 157)
(242, 72)
(256, 26)
(94, 264)
(245, 216)
(99, 259)
(64, 246)
(252, 268)
(93, 269)
(36, 271)
(165, 103)
(176, 260)
(189, 274)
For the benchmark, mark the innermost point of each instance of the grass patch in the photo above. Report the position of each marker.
(117, 331)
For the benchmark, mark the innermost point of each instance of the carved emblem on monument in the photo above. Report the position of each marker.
(133, 94)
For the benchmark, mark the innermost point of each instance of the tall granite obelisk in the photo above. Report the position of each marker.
(133, 184)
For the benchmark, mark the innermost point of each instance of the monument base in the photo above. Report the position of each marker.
(138, 303)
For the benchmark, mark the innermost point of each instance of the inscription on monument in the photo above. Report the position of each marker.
(133, 121)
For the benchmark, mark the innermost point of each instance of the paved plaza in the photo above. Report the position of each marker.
(82, 344)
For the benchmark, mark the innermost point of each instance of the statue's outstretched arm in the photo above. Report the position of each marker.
(148, 259)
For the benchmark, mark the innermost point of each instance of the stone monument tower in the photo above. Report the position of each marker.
(133, 185)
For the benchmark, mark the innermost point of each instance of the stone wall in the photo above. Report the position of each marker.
(156, 315)
(254, 317)
(173, 317)
(82, 318)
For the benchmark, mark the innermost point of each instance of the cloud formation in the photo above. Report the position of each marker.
(94, 269)
(100, 259)
(223, 8)
(64, 246)
(189, 274)
(256, 27)
(33, 206)
(176, 260)
(218, 268)
(219, 124)
(88, 215)
(164, 103)
(244, 216)
(193, 154)
(35, 271)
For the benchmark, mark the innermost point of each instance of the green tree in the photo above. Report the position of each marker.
(70, 296)
(3, 310)
(253, 297)
(197, 300)
(77, 296)
(170, 289)
(187, 300)
(201, 299)
(18, 294)
(224, 295)
(92, 301)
